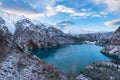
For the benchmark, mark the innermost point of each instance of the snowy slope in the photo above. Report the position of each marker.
(10, 20)
(113, 48)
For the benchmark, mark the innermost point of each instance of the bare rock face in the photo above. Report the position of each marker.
(113, 47)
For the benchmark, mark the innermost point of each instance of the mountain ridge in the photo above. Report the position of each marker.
(113, 47)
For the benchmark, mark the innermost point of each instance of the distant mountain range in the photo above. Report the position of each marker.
(34, 34)
(96, 38)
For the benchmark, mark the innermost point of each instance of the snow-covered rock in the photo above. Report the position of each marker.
(27, 33)
(98, 38)
(83, 77)
(113, 47)
(10, 20)
(2, 26)
(103, 71)
(24, 66)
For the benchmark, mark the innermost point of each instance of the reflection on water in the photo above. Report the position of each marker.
(71, 59)
(46, 52)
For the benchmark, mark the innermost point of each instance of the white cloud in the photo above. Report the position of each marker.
(97, 15)
(86, 13)
(103, 13)
(80, 14)
(46, 8)
(83, 10)
(64, 9)
(113, 22)
(26, 14)
(59, 8)
(62, 24)
(29, 8)
(111, 5)
(50, 11)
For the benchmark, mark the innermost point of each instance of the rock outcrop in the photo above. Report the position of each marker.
(103, 71)
(2, 26)
(113, 47)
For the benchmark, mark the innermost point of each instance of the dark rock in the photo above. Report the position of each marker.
(2, 21)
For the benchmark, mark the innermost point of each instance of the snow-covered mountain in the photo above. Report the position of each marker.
(28, 34)
(97, 38)
(16, 62)
(2, 26)
(107, 70)
(31, 32)
(10, 20)
(113, 47)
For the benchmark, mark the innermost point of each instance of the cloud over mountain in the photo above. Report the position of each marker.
(62, 24)
(113, 22)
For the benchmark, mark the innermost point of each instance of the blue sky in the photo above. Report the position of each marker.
(74, 16)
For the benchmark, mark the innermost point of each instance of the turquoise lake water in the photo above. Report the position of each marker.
(71, 59)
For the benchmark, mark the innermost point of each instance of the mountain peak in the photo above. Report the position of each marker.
(2, 21)
(118, 30)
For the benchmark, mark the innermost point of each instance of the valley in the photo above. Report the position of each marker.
(17, 62)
